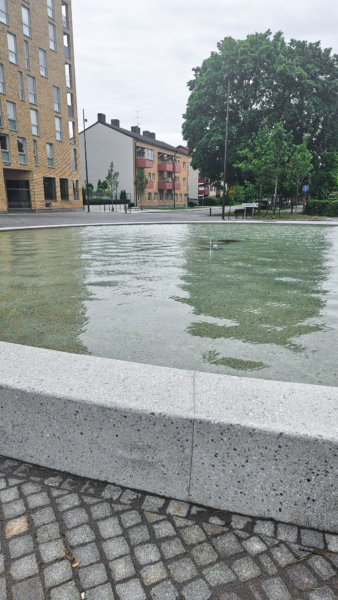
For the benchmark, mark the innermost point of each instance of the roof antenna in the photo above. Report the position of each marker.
(137, 117)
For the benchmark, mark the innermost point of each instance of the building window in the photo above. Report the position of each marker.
(52, 36)
(149, 196)
(149, 176)
(183, 180)
(1, 117)
(68, 76)
(64, 189)
(50, 155)
(26, 52)
(43, 62)
(180, 197)
(11, 113)
(58, 128)
(21, 88)
(22, 151)
(66, 45)
(50, 9)
(49, 188)
(56, 99)
(184, 165)
(2, 80)
(12, 48)
(35, 152)
(73, 159)
(70, 104)
(65, 15)
(4, 144)
(31, 89)
(3, 12)
(26, 21)
(155, 197)
(34, 121)
(76, 189)
(71, 132)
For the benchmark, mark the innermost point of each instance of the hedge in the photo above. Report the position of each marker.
(215, 201)
(105, 201)
(322, 208)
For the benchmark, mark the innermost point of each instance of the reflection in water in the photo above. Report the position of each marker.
(265, 306)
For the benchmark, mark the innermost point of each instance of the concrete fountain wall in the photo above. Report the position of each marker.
(256, 447)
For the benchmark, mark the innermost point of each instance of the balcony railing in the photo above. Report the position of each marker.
(144, 162)
(168, 166)
(168, 185)
(150, 184)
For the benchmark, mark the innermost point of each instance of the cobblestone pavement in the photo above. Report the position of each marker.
(66, 538)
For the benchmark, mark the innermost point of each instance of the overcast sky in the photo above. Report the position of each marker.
(139, 54)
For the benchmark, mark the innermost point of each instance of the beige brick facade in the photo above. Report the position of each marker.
(11, 197)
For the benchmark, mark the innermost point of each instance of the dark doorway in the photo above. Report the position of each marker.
(18, 194)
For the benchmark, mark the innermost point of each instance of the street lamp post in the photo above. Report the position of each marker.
(85, 145)
(225, 152)
(173, 178)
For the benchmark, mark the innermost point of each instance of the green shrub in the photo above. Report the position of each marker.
(322, 208)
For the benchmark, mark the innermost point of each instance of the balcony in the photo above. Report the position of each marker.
(144, 162)
(168, 166)
(167, 185)
(150, 184)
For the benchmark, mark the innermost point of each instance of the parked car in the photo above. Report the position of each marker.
(193, 202)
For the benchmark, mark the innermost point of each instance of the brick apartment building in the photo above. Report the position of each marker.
(199, 187)
(131, 151)
(38, 114)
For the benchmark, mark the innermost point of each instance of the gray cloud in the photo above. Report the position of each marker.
(139, 54)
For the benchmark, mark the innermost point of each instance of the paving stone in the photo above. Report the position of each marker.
(163, 529)
(275, 589)
(153, 573)
(3, 483)
(28, 590)
(219, 574)
(147, 554)
(53, 480)
(311, 538)
(3, 590)
(265, 528)
(49, 532)
(93, 575)
(183, 570)
(115, 547)
(131, 518)
(43, 516)
(103, 592)
(204, 554)
(75, 517)
(153, 503)
(57, 573)
(87, 555)
(172, 548)
(70, 484)
(179, 509)
(230, 596)
(193, 535)
(56, 493)
(14, 509)
(269, 541)
(245, 569)
(31, 488)
(238, 522)
(137, 535)
(112, 492)
(212, 530)
(323, 594)
(197, 590)
(241, 534)
(227, 545)
(20, 546)
(128, 497)
(282, 555)
(267, 564)
(9, 495)
(100, 511)
(130, 590)
(122, 568)
(216, 521)
(287, 533)
(37, 500)
(68, 591)
(51, 551)
(322, 567)
(68, 501)
(180, 522)
(91, 500)
(153, 517)
(80, 535)
(301, 577)
(24, 567)
(164, 591)
(109, 527)
(332, 542)
(254, 546)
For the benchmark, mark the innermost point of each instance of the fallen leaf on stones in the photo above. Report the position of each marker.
(76, 564)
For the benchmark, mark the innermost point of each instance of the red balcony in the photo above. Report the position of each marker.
(167, 185)
(218, 193)
(206, 191)
(201, 181)
(150, 184)
(168, 166)
(145, 163)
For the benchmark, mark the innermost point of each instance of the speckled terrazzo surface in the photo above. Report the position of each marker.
(260, 306)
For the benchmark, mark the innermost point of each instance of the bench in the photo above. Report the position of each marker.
(241, 211)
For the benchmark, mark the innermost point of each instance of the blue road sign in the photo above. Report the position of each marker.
(305, 188)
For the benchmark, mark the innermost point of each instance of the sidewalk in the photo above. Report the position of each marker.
(68, 538)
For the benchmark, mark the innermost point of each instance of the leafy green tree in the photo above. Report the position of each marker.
(141, 183)
(112, 179)
(299, 168)
(294, 83)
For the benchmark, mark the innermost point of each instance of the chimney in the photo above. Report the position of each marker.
(101, 118)
(150, 134)
(115, 122)
(135, 129)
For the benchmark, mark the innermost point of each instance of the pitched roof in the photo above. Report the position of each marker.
(139, 137)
